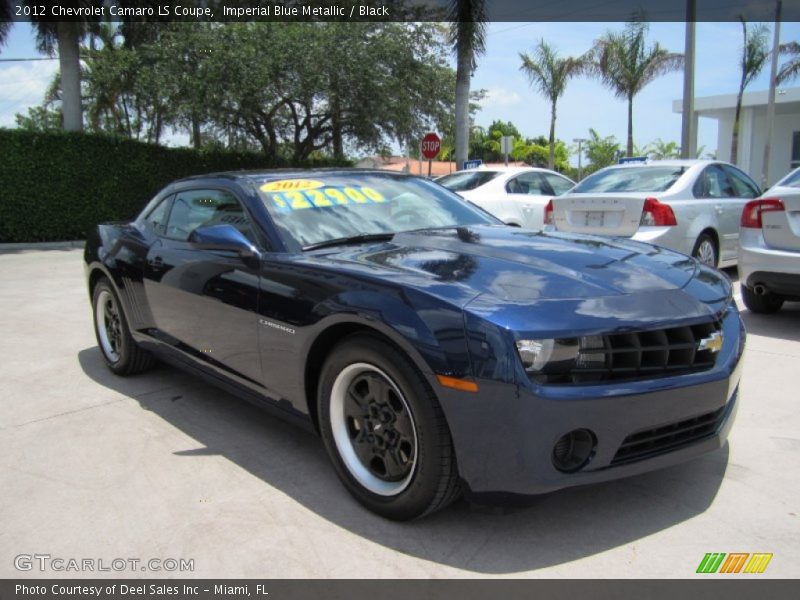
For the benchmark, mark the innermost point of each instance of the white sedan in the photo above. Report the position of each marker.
(769, 247)
(515, 195)
(692, 206)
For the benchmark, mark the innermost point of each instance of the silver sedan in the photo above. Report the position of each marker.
(769, 254)
(692, 206)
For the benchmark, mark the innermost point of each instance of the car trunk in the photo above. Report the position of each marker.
(782, 228)
(599, 214)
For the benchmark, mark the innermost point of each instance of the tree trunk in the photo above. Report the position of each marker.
(463, 76)
(551, 160)
(630, 126)
(735, 133)
(68, 58)
(336, 130)
(196, 141)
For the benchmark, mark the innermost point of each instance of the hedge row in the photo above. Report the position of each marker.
(57, 186)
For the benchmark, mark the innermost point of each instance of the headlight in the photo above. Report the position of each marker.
(548, 359)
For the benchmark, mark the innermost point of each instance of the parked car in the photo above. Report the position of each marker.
(515, 195)
(769, 247)
(434, 349)
(692, 206)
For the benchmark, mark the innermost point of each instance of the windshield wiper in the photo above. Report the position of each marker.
(351, 239)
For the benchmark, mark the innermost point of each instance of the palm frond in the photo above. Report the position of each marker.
(791, 68)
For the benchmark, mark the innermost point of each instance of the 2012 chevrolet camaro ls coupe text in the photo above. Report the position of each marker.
(435, 350)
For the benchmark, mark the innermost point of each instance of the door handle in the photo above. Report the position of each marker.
(718, 208)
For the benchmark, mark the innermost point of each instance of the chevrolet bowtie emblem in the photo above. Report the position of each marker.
(712, 342)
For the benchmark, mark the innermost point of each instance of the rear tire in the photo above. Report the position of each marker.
(764, 304)
(385, 431)
(705, 250)
(120, 352)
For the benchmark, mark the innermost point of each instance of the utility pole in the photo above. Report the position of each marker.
(776, 42)
(688, 135)
(580, 141)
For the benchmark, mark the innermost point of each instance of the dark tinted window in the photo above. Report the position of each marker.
(203, 208)
(466, 180)
(529, 183)
(743, 186)
(630, 179)
(157, 219)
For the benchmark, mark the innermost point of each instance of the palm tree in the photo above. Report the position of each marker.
(550, 74)
(754, 56)
(625, 64)
(791, 68)
(468, 37)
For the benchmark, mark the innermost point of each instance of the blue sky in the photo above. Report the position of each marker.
(585, 104)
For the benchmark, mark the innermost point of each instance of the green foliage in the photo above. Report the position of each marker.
(58, 185)
(791, 68)
(600, 152)
(660, 150)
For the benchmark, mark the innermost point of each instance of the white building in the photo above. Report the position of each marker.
(785, 149)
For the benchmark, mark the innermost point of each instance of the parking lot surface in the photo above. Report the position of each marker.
(163, 466)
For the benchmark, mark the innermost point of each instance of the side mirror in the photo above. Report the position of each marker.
(223, 237)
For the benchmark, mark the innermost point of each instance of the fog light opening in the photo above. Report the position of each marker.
(574, 450)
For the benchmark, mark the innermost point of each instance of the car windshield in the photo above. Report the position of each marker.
(325, 206)
(630, 179)
(791, 180)
(466, 180)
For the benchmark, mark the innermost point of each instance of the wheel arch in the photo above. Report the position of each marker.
(329, 337)
(712, 233)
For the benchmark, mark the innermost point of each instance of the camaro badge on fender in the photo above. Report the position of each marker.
(712, 342)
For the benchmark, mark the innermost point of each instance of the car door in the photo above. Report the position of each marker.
(745, 189)
(204, 302)
(529, 192)
(720, 202)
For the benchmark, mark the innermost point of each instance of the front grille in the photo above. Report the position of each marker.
(644, 354)
(649, 442)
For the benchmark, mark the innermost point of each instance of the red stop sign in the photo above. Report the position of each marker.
(430, 146)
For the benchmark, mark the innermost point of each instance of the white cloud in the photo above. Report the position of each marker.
(23, 85)
(500, 97)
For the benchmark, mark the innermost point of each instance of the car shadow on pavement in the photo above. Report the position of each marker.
(784, 324)
(558, 528)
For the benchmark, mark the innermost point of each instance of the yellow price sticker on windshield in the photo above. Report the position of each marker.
(289, 185)
(289, 199)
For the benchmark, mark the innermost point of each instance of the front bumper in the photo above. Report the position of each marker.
(504, 436)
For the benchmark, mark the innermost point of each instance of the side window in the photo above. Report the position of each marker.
(529, 183)
(795, 149)
(560, 185)
(743, 186)
(203, 208)
(713, 183)
(157, 219)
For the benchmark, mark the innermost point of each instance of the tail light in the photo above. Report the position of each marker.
(548, 213)
(657, 213)
(751, 215)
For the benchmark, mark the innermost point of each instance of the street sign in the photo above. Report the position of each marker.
(430, 146)
(506, 144)
(626, 160)
(473, 164)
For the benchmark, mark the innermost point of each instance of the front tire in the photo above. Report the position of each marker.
(120, 352)
(764, 304)
(384, 430)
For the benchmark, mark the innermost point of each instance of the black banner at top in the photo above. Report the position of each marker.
(399, 10)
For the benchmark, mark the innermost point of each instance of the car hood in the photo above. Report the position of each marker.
(510, 264)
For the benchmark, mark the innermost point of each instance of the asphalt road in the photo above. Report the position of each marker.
(162, 466)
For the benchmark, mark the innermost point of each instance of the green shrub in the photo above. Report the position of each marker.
(58, 185)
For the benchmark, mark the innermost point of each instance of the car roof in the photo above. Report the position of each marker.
(290, 173)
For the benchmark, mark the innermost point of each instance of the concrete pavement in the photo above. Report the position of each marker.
(163, 466)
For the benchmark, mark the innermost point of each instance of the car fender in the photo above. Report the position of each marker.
(704, 220)
(429, 331)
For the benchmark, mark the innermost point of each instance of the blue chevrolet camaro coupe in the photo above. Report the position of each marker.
(435, 350)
